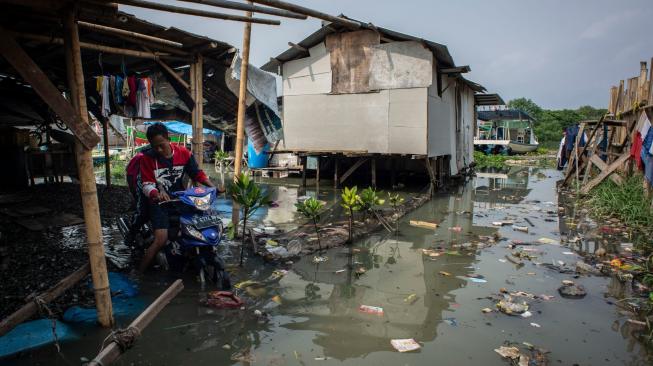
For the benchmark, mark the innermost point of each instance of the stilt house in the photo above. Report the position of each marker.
(377, 93)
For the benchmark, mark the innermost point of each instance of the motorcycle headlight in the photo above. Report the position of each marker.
(202, 203)
(194, 233)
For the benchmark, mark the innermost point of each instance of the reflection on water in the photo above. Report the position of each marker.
(311, 315)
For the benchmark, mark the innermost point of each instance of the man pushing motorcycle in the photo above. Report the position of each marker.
(162, 169)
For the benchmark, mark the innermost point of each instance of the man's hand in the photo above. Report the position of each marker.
(161, 197)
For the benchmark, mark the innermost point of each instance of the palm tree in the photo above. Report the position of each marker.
(249, 196)
(311, 209)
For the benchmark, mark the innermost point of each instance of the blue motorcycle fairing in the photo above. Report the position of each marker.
(184, 196)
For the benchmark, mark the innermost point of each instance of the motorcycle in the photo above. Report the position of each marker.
(194, 235)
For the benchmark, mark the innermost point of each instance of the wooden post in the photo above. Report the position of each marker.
(31, 307)
(107, 155)
(87, 177)
(242, 105)
(304, 163)
(196, 87)
(335, 172)
(393, 173)
(317, 173)
(112, 351)
(373, 167)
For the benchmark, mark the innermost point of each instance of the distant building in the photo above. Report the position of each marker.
(376, 92)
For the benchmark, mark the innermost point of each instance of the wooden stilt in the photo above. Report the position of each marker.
(304, 161)
(336, 182)
(107, 154)
(87, 177)
(353, 168)
(317, 173)
(373, 168)
(196, 85)
(242, 105)
(393, 173)
(29, 309)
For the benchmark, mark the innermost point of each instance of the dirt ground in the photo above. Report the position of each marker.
(33, 261)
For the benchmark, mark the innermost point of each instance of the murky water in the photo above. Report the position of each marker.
(311, 315)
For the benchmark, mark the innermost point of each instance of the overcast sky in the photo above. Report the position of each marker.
(560, 53)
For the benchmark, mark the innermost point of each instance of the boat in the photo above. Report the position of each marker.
(505, 131)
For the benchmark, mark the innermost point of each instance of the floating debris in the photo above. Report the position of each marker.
(508, 307)
(317, 259)
(371, 310)
(423, 224)
(405, 345)
(410, 299)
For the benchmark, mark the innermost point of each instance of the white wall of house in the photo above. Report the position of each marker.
(405, 116)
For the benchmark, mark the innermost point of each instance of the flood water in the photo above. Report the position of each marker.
(311, 315)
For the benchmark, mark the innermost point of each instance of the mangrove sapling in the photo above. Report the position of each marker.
(395, 200)
(351, 202)
(250, 197)
(369, 200)
(311, 209)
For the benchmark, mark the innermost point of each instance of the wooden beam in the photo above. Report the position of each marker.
(195, 12)
(112, 351)
(310, 12)
(611, 168)
(122, 32)
(297, 47)
(353, 168)
(336, 166)
(86, 175)
(248, 7)
(169, 70)
(31, 73)
(304, 167)
(603, 166)
(31, 308)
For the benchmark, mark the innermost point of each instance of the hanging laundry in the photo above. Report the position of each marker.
(105, 96)
(120, 81)
(144, 98)
(133, 88)
(647, 144)
(125, 89)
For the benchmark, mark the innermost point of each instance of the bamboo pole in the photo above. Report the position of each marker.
(97, 47)
(29, 309)
(107, 155)
(196, 12)
(248, 7)
(112, 351)
(87, 177)
(310, 12)
(111, 30)
(242, 105)
(198, 110)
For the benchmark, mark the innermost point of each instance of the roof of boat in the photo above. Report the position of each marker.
(504, 114)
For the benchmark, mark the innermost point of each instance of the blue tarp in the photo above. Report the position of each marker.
(183, 128)
(33, 334)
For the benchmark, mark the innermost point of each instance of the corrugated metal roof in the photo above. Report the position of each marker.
(440, 51)
(488, 99)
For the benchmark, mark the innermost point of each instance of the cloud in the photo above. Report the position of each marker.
(603, 26)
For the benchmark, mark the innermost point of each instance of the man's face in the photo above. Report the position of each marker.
(161, 146)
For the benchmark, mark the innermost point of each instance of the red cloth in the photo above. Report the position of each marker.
(133, 87)
(636, 150)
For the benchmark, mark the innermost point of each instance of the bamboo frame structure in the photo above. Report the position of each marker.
(196, 86)
(306, 11)
(87, 177)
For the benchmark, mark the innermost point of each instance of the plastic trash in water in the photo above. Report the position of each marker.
(223, 300)
(371, 310)
(123, 308)
(405, 345)
(317, 259)
(451, 321)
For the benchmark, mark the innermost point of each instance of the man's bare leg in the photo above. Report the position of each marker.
(160, 240)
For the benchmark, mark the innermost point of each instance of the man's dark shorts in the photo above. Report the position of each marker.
(159, 215)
